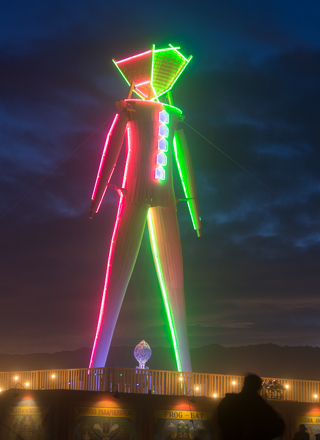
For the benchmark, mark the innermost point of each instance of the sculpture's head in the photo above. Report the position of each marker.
(153, 73)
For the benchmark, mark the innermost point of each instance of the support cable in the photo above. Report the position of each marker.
(254, 177)
(45, 177)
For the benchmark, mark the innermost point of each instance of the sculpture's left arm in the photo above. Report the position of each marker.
(183, 159)
(108, 160)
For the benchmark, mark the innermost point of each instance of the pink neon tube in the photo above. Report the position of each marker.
(109, 265)
(135, 56)
(113, 240)
(103, 157)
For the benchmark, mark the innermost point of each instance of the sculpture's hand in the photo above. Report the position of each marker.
(92, 213)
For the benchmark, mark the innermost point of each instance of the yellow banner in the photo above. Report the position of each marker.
(94, 411)
(184, 415)
(23, 410)
(307, 420)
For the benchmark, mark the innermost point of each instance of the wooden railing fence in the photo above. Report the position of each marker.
(130, 380)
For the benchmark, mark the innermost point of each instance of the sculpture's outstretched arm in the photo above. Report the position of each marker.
(183, 158)
(108, 160)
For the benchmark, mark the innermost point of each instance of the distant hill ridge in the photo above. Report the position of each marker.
(268, 360)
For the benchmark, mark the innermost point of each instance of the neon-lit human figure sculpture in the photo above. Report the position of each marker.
(146, 194)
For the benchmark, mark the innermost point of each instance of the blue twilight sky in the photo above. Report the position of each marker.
(252, 88)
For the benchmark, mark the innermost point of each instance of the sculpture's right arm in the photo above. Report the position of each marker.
(108, 160)
(183, 159)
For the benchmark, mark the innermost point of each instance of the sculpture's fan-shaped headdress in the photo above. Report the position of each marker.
(154, 72)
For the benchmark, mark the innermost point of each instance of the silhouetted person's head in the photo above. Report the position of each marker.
(302, 427)
(252, 383)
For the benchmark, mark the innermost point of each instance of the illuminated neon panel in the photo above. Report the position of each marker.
(162, 159)
(174, 63)
(163, 144)
(160, 173)
(164, 131)
(164, 117)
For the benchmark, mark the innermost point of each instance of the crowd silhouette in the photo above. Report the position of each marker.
(247, 416)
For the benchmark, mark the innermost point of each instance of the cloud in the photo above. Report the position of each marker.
(252, 89)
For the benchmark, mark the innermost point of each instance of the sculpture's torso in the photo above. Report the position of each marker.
(148, 171)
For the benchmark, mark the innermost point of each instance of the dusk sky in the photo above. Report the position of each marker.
(252, 89)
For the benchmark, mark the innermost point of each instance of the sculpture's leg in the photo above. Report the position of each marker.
(167, 255)
(124, 248)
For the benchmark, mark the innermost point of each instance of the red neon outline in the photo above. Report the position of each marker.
(124, 181)
(98, 207)
(113, 241)
(156, 103)
(109, 265)
(102, 160)
(134, 56)
(142, 83)
(141, 92)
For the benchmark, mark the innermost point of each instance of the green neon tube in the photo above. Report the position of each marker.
(185, 179)
(151, 82)
(183, 61)
(114, 62)
(179, 74)
(169, 48)
(172, 107)
(176, 49)
(164, 291)
(122, 74)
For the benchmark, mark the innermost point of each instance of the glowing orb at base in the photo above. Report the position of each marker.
(142, 353)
